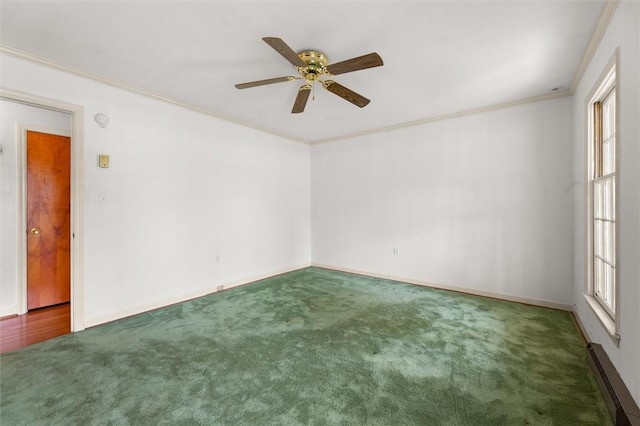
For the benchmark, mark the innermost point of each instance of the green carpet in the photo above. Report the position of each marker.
(312, 347)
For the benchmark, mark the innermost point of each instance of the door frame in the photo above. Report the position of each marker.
(76, 134)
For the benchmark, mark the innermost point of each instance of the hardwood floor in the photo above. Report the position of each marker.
(35, 326)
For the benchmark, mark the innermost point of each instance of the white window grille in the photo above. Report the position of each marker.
(603, 185)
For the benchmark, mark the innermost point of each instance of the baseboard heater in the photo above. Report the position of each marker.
(621, 405)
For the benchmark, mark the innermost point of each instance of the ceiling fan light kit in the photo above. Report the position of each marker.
(312, 66)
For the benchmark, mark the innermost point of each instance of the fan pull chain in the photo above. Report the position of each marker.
(313, 91)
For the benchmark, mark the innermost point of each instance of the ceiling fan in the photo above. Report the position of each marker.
(312, 65)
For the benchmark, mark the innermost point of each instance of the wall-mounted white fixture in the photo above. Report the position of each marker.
(101, 119)
(103, 161)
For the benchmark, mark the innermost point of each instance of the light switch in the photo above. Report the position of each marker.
(103, 161)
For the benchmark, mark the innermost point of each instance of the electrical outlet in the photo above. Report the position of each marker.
(220, 288)
(396, 251)
(217, 258)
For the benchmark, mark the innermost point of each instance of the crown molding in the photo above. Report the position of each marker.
(554, 95)
(596, 37)
(601, 28)
(115, 83)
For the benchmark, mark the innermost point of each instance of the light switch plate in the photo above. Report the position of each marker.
(103, 161)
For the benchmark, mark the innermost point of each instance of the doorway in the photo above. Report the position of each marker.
(34, 225)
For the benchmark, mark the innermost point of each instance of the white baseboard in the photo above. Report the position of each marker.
(475, 292)
(583, 330)
(94, 321)
(264, 277)
(7, 311)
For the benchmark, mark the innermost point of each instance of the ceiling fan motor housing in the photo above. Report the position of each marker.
(316, 65)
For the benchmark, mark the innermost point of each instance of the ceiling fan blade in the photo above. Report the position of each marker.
(301, 99)
(263, 82)
(345, 93)
(360, 63)
(283, 48)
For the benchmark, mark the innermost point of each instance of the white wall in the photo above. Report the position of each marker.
(623, 32)
(11, 115)
(182, 188)
(479, 202)
(492, 202)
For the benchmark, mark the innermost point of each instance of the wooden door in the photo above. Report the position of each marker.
(48, 219)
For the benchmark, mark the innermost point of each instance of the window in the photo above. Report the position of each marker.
(602, 293)
(604, 206)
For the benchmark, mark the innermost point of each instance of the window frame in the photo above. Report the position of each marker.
(604, 253)
(604, 86)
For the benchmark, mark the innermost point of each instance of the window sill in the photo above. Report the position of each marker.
(604, 318)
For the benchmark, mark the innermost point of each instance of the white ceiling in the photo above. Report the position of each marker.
(440, 57)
